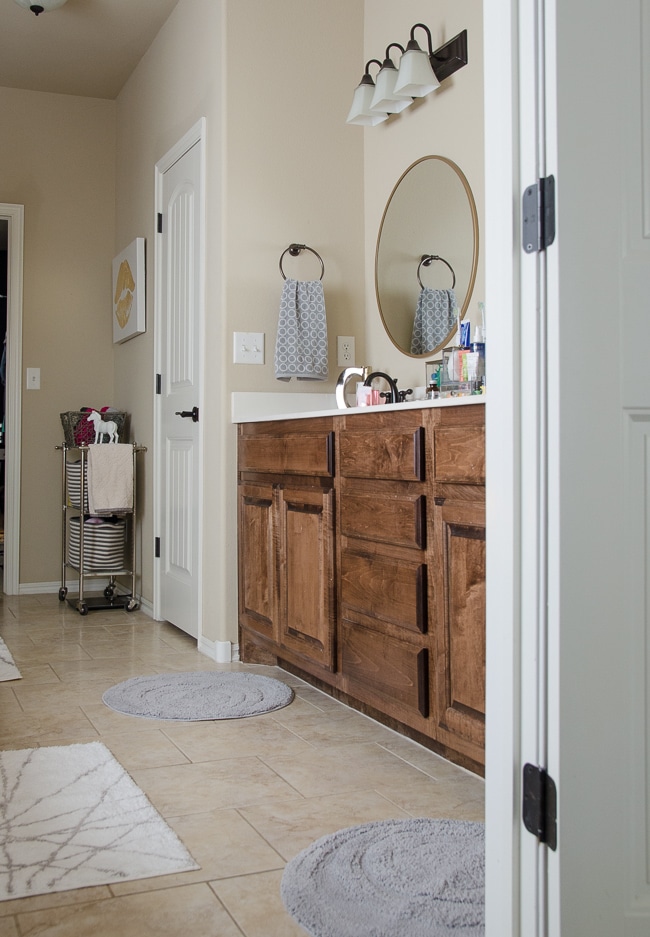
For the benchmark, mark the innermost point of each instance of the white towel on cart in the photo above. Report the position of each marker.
(110, 478)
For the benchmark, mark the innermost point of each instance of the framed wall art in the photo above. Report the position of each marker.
(129, 292)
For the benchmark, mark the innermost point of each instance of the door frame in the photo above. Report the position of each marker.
(15, 215)
(515, 887)
(196, 135)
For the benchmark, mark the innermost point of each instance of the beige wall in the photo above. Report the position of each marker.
(448, 122)
(58, 160)
(295, 169)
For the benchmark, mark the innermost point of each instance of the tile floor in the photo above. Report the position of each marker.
(244, 796)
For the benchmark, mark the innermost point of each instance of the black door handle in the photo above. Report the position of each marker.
(192, 414)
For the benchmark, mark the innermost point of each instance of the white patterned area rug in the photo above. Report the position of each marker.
(8, 669)
(71, 817)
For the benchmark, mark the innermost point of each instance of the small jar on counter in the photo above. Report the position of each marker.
(432, 391)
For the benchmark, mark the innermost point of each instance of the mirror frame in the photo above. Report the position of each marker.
(475, 249)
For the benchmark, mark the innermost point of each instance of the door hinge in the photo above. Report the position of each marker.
(540, 805)
(159, 383)
(156, 547)
(159, 222)
(538, 215)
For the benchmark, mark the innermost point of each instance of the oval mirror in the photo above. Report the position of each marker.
(427, 246)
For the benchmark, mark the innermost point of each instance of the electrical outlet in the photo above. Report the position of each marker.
(248, 348)
(345, 351)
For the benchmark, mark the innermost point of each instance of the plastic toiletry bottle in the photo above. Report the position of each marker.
(479, 345)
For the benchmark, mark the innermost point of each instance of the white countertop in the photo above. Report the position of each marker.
(256, 407)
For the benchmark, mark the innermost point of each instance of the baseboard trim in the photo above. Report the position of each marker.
(33, 588)
(222, 652)
(52, 588)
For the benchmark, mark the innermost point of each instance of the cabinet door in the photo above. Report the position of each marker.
(459, 589)
(306, 572)
(257, 580)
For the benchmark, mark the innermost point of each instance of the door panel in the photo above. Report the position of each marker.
(180, 364)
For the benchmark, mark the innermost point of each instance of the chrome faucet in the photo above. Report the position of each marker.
(344, 377)
(393, 396)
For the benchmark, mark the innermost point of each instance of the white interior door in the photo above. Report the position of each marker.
(568, 469)
(179, 390)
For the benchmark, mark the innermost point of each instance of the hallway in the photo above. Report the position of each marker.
(244, 795)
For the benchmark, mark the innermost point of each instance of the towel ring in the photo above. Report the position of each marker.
(427, 260)
(295, 250)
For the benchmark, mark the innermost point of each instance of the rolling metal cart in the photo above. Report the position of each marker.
(82, 549)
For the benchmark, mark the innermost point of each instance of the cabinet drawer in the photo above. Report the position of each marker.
(394, 591)
(300, 454)
(400, 520)
(459, 455)
(383, 454)
(392, 669)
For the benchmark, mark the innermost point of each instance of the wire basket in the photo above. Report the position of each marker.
(78, 430)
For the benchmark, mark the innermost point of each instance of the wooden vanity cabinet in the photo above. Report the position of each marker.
(362, 563)
(286, 541)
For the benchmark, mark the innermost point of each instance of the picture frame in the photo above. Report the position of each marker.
(129, 288)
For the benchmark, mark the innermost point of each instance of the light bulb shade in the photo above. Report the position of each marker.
(415, 76)
(385, 100)
(40, 6)
(360, 112)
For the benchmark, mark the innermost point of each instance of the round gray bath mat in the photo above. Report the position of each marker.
(393, 878)
(198, 696)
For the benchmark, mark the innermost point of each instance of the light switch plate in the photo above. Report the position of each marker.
(248, 348)
(33, 378)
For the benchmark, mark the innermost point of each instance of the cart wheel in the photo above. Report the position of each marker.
(132, 605)
(109, 592)
(62, 594)
(83, 608)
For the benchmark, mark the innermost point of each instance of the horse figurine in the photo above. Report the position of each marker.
(101, 427)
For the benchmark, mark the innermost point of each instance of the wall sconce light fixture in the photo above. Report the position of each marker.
(361, 111)
(386, 99)
(43, 6)
(419, 74)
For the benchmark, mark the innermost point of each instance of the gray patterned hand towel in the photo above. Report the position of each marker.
(301, 344)
(435, 317)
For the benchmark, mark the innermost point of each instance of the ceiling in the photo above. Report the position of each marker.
(87, 47)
